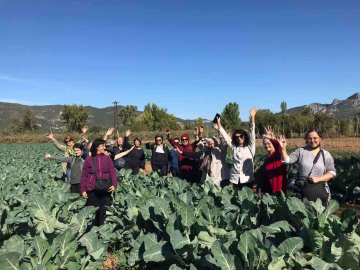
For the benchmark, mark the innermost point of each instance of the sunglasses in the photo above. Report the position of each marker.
(184, 139)
(159, 140)
(240, 136)
(67, 141)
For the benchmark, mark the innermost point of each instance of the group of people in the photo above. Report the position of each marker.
(90, 167)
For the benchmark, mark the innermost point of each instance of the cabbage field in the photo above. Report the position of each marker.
(164, 223)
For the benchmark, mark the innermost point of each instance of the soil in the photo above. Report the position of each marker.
(347, 206)
(111, 262)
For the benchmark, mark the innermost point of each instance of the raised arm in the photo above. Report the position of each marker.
(195, 155)
(58, 159)
(288, 159)
(170, 139)
(126, 140)
(149, 145)
(57, 144)
(252, 139)
(123, 153)
(108, 133)
(222, 131)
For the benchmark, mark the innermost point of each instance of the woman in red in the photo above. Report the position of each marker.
(187, 166)
(273, 171)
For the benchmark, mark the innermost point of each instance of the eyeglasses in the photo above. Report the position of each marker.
(67, 141)
(184, 139)
(159, 140)
(239, 136)
(313, 139)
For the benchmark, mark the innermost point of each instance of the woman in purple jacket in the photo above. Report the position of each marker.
(105, 170)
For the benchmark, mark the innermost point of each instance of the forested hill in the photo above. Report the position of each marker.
(49, 115)
(347, 108)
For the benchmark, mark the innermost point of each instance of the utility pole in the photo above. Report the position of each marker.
(116, 126)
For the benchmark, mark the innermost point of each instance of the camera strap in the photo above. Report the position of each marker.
(321, 152)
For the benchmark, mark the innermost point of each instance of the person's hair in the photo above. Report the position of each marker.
(96, 143)
(137, 139)
(242, 132)
(89, 143)
(313, 129)
(159, 136)
(79, 146)
(68, 138)
(177, 139)
(117, 141)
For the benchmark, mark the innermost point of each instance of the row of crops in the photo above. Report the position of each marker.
(163, 223)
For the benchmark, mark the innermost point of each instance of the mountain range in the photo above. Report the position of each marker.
(49, 119)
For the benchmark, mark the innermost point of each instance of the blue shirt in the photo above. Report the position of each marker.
(173, 159)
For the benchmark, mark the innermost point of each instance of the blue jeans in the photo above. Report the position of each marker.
(68, 171)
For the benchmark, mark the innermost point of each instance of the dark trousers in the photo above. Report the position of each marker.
(161, 168)
(101, 200)
(188, 175)
(75, 188)
(174, 172)
(249, 185)
(134, 167)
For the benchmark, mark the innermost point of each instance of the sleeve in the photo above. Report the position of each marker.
(277, 146)
(126, 143)
(225, 137)
(194, 145)
(329, 164)
(142, 160)
(112, 172)
(252, 139)
(150, 145)
(223, 144)
(59, 146)
(85, 152)
(195, 155)
(61, 159)
(293, 157)
(173, 143)
(84, 175)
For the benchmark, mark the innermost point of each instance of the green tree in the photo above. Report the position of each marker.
(343, 126)
(26, 122)
(265, 118)
(96, 129)
(230, 117)
(324, 122)
(283, 107)
(127, 114)
(74, 116)
(306, 111)
(156, 118)
(199, 122)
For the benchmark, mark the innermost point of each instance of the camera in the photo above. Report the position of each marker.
(302, 181)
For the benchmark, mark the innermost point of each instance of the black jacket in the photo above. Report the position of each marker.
(153, 150)
(136, 156)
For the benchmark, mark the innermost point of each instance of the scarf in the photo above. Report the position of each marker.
(70, 150)
(206, 164)
(314, 148)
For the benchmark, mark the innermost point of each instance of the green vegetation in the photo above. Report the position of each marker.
(27, 122)
(74, 116)
(163, 223)
(230, 116)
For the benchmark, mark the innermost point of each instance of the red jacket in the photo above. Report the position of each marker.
(185, 163)
(105, 170)
(276, 169)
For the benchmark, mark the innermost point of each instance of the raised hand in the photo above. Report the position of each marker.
(216, 126)
(148, 141)
(196, 131)
(50, 136)
(218, 119)
(269, 133)
(128, 132)
(253, 112)
(282, 141)
(167, 131)
(110, 131)
(47, 155)
(201, 130)
(178, 150)
(84, 129)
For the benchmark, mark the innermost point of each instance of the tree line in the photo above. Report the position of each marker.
(155, 118)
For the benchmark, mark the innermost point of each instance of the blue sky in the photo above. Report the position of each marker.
(191, 57)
